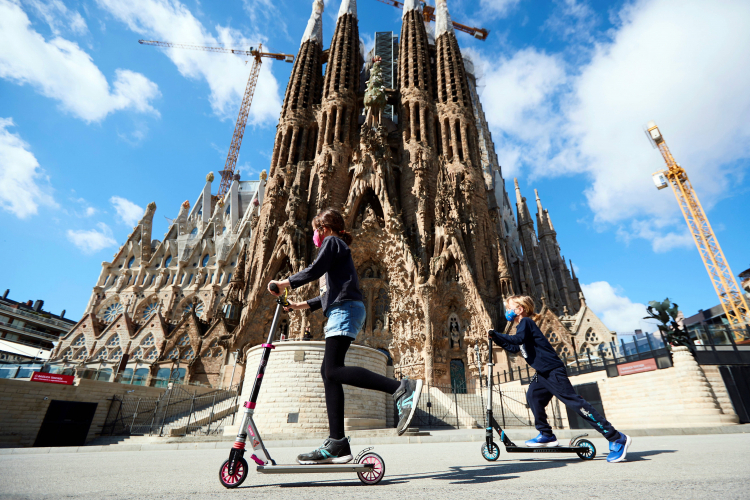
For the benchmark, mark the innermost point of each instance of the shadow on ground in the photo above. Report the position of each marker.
(474, 474)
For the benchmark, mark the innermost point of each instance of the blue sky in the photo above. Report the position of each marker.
(94, 126)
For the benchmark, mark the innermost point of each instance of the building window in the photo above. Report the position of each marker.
(168, 261)
(138, 354)
(67, 354)
(184, 340)
(82, 354)
(116, 354)
(150, 309)
(188, 353)
(79, 342)
(151, 356)
(205, 260)
(194, 231)
(198, 309)
(114, 340)
(148, 341)
(102, 355)
(174, 354)
(130, 262)
(112, 311)
(191, 279)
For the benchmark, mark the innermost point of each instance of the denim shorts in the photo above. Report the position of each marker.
(346, 318)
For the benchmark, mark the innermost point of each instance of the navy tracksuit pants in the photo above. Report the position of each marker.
(556, 383)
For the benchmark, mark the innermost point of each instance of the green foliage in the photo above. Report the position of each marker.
(666, 313)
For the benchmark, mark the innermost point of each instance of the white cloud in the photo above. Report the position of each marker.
(20, 192)
(618, 312)
(59, 69)
(498, 8)
(58, 16)
(93, 240)
(90, 211)
(676, 63)
(226, 74)
(127, 212)
(518, 103)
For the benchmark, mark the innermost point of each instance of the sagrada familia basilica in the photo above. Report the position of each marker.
(436, 243)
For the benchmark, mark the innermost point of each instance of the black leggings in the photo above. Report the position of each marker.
(335, 374)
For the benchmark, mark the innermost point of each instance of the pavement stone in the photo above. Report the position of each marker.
(659, 467)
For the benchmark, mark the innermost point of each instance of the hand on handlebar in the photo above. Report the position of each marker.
(295, 306)
(276, 288)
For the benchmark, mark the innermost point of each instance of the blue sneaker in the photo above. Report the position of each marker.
(542, 441)
(618, 449)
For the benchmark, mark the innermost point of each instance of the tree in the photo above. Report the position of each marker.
(667, 313)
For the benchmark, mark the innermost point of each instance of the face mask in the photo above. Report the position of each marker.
(316, 239)
(510, 315)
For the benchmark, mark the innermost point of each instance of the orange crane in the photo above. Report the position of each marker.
(239, 128)
(732, 300)
(428, 12)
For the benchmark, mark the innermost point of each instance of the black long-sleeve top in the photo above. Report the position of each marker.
(335, 262)
(532, 344)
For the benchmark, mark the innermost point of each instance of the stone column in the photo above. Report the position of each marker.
(427, 353)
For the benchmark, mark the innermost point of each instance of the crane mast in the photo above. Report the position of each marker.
(730, 295)
(239, 128)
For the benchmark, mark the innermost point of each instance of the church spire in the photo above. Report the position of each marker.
(443, 22)
(410, 5)
(348, 7)
(524, 216)
(314, 31)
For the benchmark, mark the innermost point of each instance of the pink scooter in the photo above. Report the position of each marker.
(369, 466)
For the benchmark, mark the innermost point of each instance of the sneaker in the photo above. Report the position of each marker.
(407, 398)
(618, 449)
(542, 441)
(333, 451)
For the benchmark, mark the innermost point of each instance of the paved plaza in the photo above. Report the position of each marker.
(704, 466)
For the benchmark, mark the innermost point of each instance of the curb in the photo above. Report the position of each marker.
(456, 436)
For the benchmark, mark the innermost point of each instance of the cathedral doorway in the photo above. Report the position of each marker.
(458, 376)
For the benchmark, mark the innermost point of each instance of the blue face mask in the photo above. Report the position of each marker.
(510, 315)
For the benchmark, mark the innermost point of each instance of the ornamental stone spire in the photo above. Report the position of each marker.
(443, 21)
(314, 31)
(410, 5)
(348, 7)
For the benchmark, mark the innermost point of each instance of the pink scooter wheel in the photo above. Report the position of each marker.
(378, 470)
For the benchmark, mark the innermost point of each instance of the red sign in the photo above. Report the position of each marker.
(646, 365)
(52, 378)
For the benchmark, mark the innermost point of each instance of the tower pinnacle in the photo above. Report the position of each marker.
(443, 22)
(411, 5)
(348, 7)
(314, 31)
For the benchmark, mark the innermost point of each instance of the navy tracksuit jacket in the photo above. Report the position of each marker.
(551, 378)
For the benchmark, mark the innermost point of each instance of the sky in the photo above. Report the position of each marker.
(94, 126)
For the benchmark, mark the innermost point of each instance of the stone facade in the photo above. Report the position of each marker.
(435, 251)
(156, 312)
(436, 244)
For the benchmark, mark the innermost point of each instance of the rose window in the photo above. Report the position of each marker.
(198, 308)
(150, 309)
(112, 311)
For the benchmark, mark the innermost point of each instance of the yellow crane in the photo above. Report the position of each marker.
(247, 99)
(732, 300)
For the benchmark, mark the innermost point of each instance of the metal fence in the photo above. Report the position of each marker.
(588, 361)
(721, 344)
(176, 412)
(464, 406)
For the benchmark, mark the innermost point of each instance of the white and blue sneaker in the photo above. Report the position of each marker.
(407, 398)
(618, 449)
(542, 441)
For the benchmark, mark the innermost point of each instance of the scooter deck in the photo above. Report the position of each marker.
(314, 468)
(551, 449)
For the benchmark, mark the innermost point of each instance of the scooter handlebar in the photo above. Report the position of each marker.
(273, 287)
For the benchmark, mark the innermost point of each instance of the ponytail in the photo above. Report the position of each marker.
(346, 236)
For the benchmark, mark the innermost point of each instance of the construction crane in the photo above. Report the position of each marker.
(732, 300)
(428, 12)
(239, 128)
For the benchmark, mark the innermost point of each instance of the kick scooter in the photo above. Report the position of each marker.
(491, 451)
(369, 466)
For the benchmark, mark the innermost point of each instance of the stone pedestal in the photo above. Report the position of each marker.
(293, 390)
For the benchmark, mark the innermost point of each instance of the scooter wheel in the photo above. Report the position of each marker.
(236, 479)
(378, 469)
(490, 453)
(590, 451)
